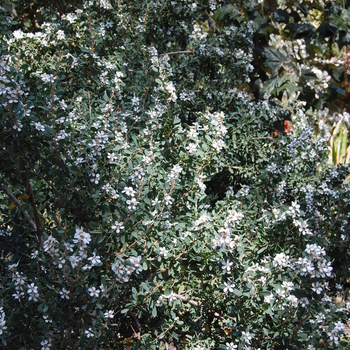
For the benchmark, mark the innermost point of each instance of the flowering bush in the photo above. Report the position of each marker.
(144, 199)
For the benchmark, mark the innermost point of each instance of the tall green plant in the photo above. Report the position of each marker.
(340, 148)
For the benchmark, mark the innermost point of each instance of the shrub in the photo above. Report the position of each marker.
(145, 199)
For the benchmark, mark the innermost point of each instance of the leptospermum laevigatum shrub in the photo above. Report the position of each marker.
(145, 200)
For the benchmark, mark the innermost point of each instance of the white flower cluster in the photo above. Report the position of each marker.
(80, 241)
(18, 280)
(81, 238)
(98, 143)
(70, 17)
(335, 334)
(164, 299)
(199, 223)
(193, 136)
(281, 260)
(316, 266)
(224, 240)
(284, 289)
(105, 4)
(124, 268)
(10, 88)
(198, 34)
(321, 83)
(154, 56)
(170, 88)
(48, 78)
(296, 48)
(132, 202)
(200, 183)
(118, 81)
(215, 128)
(174, 173)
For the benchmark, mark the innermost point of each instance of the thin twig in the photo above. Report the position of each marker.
(39, 225)
(19, 205)
(190, 52)
(89, 105)
(299, 325)
(211, 21)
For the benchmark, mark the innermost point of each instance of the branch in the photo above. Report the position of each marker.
(19, 205)
(211, 21)
(39, 225)
(299, 325)
(57, 6)
(178, 52)
(336, 219)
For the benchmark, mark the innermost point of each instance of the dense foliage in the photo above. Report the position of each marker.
(145, 199)
(301, 53)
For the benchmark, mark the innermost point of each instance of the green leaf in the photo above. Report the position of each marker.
(154, 312)
(297, 29)
(224, 13)
(237, 292)
(85, 50)
(274, 58)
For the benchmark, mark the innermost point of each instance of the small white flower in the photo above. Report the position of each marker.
(228, 287)
(168, 200)
(294, 209)
(60, 35)
(132, 203)
(293, 300)
(317, 288)
(2, 325)
(227, 266)
(89, 333)
(38, 126)
(81, 238)
(95, 259)
(102, 288)
(74, 260)
(94, 292)
(231, 346)
(191, 148)
(109, 314)
(247, 337)
(33, 292)
(268, 298)
(117, 226)
(18, 295)
(218, 145)
(163, 251)
(64, 294)
(155, 202)
(45, 345)
(129, 191)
